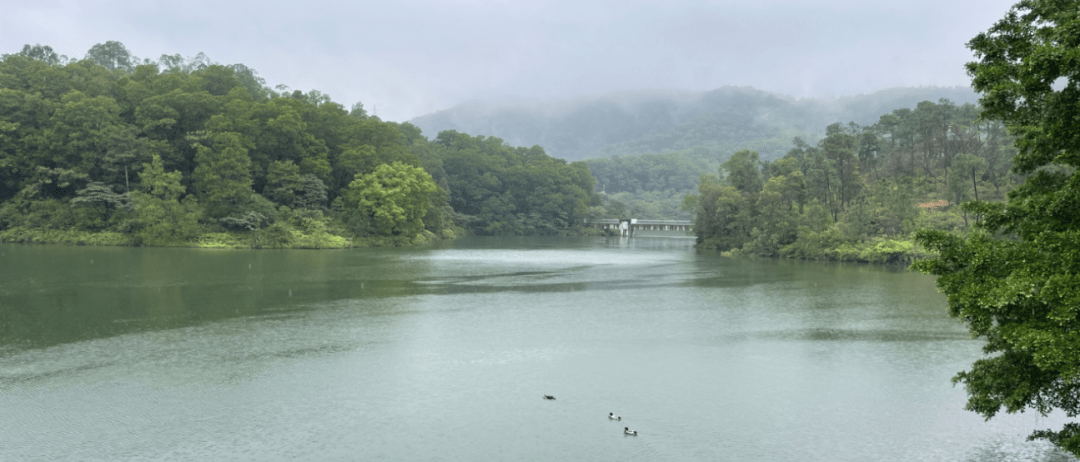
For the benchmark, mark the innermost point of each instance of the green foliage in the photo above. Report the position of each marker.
(725, 217)
(161, 218)
(744, 172)
(677, 171)
(283, 182)
(43, 53)
(21, 235)
(222, 176)
(174, 151)
(1014, 281)
(498, 189)
(391, 201)
(103, 201)
(75, 137)
(160, 184)
(832, 245)
(653, 204)
(858, 187)
(312, 193)
(111, 55)
(28, 210)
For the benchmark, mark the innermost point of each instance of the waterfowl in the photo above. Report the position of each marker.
(612, 416)
(628, 431)
(549, 397)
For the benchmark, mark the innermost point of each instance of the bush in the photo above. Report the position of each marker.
(22, 235)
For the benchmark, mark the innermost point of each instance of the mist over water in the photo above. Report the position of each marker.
(443, 353)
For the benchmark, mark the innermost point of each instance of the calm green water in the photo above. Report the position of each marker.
(443, 354)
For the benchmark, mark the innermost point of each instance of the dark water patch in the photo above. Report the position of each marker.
(301, 352)
(8, 379)
(861, 335)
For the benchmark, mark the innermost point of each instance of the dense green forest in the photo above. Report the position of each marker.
(861, 192)
(651, 185)
(648, 149)
(109, 149)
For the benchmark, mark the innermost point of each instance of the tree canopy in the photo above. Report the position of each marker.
(181, 150)
(1014, 281)
(859, 193)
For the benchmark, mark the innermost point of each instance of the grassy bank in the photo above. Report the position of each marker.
(266, 239)
(822, 247)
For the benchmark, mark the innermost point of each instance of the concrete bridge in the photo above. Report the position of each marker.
(627, 226)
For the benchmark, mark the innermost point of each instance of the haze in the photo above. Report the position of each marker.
(408, 58)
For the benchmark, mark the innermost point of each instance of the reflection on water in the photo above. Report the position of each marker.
(442, 353)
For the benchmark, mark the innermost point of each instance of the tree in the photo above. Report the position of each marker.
(778, 225)
(967, 168)
(743, 172)
(354, 159)
(222, 176)
(1014, 281)
(125, 150)
(161, 216)
(102, 198)
(112, 55)
(724, 217)
(44, 54)
(358, 111)
(313, 195)
(81, 130)
(391, 201)
(840, 148)
(282, 182)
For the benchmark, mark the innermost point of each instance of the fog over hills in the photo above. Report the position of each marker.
(723, 120)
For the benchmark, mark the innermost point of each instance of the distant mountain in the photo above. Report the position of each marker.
(723, 120)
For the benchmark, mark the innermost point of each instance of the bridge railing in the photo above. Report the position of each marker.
(627, 226)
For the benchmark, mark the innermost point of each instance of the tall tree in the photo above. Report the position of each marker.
(222, 176)
(44, 54)
(840, 148)
(112, 55)
(744, 172)
(283, 181)
(1014, 281)
(126, 152)
(160, 215)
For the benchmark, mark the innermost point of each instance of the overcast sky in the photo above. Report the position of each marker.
(412, 57)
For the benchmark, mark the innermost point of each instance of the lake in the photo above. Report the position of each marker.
(444, 353)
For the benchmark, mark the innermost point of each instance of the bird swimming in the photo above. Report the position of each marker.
(549, 397)
(628, 431)
(612, 416)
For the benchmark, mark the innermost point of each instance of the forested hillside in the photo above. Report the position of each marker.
(861, 192)
(722, 121)
(498, 189)
(648, 149)
(651, 186)
(109, 149)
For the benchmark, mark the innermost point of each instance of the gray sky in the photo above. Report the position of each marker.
(411, 57)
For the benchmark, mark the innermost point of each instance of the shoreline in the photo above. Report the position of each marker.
(237, 240)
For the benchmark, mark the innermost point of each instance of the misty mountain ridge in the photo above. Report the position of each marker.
(722, 121)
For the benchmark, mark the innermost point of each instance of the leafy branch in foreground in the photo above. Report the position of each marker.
(1015, 280)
